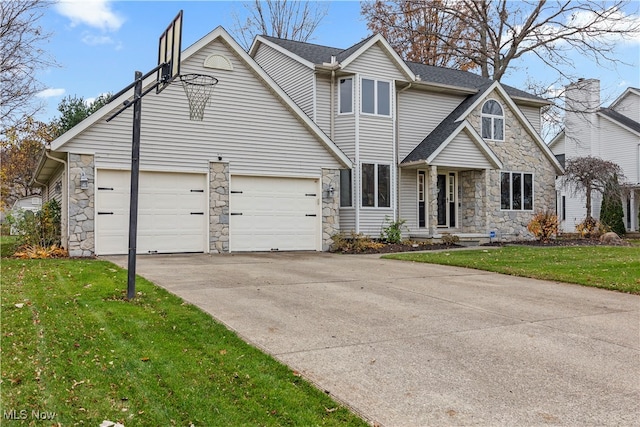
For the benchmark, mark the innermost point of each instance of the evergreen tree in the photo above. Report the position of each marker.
(611, 211)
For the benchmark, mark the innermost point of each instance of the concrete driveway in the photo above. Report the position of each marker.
(407, 344)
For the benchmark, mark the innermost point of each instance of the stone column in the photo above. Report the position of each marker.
(81, 206)
(432, 189)
(330, 206)
(218, 207)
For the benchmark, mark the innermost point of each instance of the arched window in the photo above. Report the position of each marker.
(492, 121)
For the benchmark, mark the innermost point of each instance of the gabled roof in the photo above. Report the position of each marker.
(308, 53)
(629, 90)
(620, 119)
(454, 122)
(218, 33)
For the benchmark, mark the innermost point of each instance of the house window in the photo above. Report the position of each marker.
(345, 188)
(492, 121)
(345, 95)
(376, 97)
(376, 185)
(516, 191)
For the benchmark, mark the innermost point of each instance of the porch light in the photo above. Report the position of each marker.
(84, 181)
(330, 191)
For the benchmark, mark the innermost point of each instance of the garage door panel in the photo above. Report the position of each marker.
(166, 202)
(273, 214)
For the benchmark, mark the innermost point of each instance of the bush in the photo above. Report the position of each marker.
(353, 242)
(612, 213)
(590, 227)
(38, 229)
(450, 239)
(392, 233)
(544, 226)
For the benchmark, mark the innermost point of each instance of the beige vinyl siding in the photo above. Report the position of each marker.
(347, 220)
(375, 63)
(419, 112)
(376, 139)
(408, 206)
(323, 103)
(533, 115)
(293, 77)
(621, 147)
(245, 124)
(345, 134)
(51, 193)
(462, 152)
(558, 147)
(629, 106)
(372, 220)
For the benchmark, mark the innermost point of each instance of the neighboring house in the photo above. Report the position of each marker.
(444, 150)
(612, 134)
(300, 142)
(20, 206)
(256, 174)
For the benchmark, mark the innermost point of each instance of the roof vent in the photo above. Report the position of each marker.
(219, 62)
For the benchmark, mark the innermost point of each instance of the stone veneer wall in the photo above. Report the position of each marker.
(518, 153)
(432, 189)
(330, 206)
(218, 207)
(81, 206)
(472, 201)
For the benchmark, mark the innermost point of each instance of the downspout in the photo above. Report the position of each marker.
(332, 107)
(66, 185)
(396, 211)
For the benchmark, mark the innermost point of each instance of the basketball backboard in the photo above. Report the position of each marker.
(169, 47)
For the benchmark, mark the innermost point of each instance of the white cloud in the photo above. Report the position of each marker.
(51, 93)
(94, 13)
(93, 40)
(617, 20)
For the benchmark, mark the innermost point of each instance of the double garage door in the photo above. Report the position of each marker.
(265, 213)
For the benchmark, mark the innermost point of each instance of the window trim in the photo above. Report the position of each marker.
(376, 169)
(340, 113)
(522, 192)
(375, 97)
(492, 117)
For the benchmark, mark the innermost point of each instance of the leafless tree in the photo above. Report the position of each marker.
(286, 19)
(502, 31)
(589, 174)
(21, 56)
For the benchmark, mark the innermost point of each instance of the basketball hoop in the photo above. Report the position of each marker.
(198, 88)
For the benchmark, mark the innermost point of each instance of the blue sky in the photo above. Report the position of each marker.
(99, 44)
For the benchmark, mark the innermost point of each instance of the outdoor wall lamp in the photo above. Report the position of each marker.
(330, 191)
(84, 181)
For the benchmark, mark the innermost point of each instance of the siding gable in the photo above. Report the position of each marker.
(375, 63)
(248, 124)
(462, 151)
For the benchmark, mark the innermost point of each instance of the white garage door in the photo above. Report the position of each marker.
(274, 214)
(172, 212)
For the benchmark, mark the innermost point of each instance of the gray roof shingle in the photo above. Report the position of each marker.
(620, 118)
(319, 54)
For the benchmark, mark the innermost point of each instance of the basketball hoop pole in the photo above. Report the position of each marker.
(135, 175)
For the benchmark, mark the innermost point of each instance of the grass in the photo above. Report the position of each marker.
(8, 245)
(73, 346)
(616, 268)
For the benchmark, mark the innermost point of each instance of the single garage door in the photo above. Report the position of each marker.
(267, 214)
(172, 212)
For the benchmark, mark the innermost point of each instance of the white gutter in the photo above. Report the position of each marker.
(65, 185)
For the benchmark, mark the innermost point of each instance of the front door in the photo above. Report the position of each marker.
(447, 200)
(421, 199)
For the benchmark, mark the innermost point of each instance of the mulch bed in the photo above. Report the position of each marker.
(424, 246)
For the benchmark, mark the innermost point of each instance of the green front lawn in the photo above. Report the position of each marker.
(73, 346)
(616, 268)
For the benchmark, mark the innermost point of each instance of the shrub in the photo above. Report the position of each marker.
(450, 239)
(392, 233)
(353, 242)
(38, 229)
(612, 213)
(590, 227)
(543, 225)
